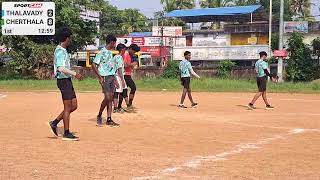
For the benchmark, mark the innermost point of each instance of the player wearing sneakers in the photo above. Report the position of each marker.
(63, 73)
(122, 90)
(130, 61)
(185, 70)
(105, 68)
(262, 78)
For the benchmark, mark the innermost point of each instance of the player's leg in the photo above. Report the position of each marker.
(261, 89)
(110, 89)
(184, 92)
(102, 107)
(115, 102)
(109, 99)
(193, 104)
(133, 88)
(125, 96)
(70, 105)
(74, 103)
(264, 96)
(256, 97)
(120, 101)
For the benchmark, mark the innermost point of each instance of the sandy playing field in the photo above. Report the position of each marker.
(220, 139)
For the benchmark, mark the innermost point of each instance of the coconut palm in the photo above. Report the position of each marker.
(215, 3)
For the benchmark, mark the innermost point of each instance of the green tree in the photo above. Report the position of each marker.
(245, 2)
(300, 63)
(110, 21)
(133, 21)
(159, 15)
(316, 48)
(215, 3)
(31, 53)
(68, 14)
(185, 4)
(302, 9)
(170, 5)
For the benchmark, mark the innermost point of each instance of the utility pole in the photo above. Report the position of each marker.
(161, 44)
(270, 25)
(280, 60)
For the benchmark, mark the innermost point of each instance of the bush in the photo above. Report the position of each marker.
(171, 70)
(224, 69)
(316, 47)
(300, 63)
(29, 59)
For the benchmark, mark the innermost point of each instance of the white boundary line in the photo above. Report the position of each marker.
(240, 148)
(2, 96)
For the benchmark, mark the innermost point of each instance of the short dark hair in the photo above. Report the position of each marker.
(120, 47)
(134, 47)
(186, 53)
(63, 34)
(110, 38)
(263, 53)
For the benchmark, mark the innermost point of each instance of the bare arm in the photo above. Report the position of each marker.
(121, 76)
(66, 71)
(194, 73)
(95, 70)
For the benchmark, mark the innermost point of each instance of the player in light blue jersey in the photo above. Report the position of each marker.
(261, 67)
(185, 74)
(63, 73)
(105, 68)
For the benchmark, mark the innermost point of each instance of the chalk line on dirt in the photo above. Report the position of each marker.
(240, 148)
(2, 96)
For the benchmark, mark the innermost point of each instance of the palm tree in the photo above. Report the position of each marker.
(215, 3)
(185, 4)
(246, 2)
(133, 21)
(301, 9)
(170, 5)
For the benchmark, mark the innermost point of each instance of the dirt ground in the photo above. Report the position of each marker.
(220, 139)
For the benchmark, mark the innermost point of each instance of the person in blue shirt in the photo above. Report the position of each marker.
(105, 68)
(262, 72)
(63, 73)
(185, 74)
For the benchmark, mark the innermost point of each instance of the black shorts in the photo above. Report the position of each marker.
(66, 88)
(130, 83)
(124, 94)
(109, 84)
(262, 83)
(185, 82)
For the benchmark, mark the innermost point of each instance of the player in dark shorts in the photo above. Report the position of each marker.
(185, 74)
(130, 61)
(261, 68)
(63, 73)
(122, 90)
(105, 68)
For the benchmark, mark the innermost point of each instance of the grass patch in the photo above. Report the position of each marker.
(199, 85)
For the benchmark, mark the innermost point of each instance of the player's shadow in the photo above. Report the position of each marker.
(173, 105)
(95, 120)
(246, 107)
